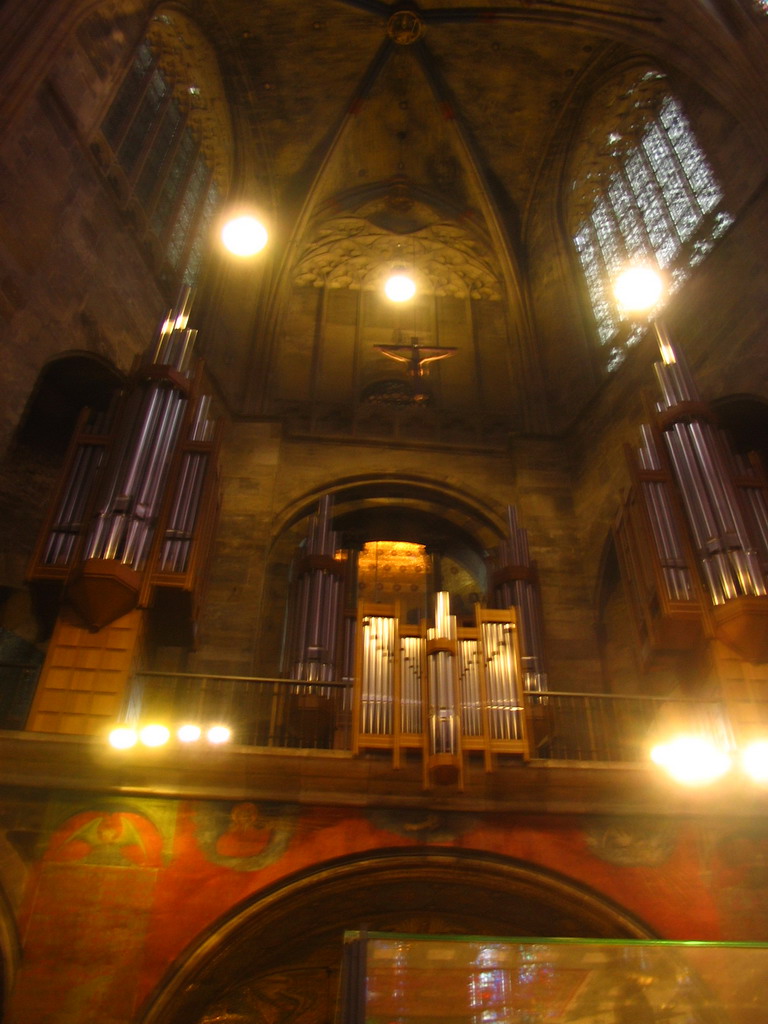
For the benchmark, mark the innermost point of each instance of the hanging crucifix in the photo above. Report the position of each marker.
(415, 355)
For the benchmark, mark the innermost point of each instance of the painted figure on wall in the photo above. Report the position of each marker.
(244, 836)
(112, 838)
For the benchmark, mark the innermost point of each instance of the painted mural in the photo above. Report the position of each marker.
(109, 894)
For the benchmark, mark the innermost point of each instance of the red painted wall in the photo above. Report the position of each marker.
(114, 892)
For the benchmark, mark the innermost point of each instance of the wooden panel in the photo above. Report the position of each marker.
(85, 675)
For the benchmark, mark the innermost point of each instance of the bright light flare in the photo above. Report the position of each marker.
(400, 288)
(189, 733)
(123, 738)
(691, 760)
(154, 735)
(638, 289)
(754, 760)
(219, 734)
(244, 236)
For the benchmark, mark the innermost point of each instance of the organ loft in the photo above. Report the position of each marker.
(383, 601)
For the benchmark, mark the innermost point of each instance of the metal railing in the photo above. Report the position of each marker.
(284, 713)
(260, 711)
(623, 727)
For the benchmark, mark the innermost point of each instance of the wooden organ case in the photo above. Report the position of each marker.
(126, 543)
(441, 689)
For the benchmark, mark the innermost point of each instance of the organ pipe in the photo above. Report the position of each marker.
(664, 524)
(377, 668)
(444, 737)
(726, 550)
(72, 504)
(317, 602)
(411, 687)
(188, 496)
(514, 583)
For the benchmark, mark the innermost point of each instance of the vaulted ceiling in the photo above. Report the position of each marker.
(438, 137)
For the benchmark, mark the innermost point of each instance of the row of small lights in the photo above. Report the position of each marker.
(154, 734)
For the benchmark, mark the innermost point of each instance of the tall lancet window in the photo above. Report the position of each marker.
(165, 144)
(643, 190)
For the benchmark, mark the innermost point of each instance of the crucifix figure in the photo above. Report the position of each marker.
(415, 355)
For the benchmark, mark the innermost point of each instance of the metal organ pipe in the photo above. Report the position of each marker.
(129, 504)
(726, 547)
(185, 505)
(664, 529)
(441, 646)
(502, 682)
(377, 675)
(132, 490)
(317, 601)
(410, 674)
(469, 687)
(516, 586)
(70, 514)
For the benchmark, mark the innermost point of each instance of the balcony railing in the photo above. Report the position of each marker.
(259, 711)
(294, 714)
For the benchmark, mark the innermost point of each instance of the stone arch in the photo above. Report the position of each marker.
(465, 510)
(415, 509)
(66, 384)
(744, 418)
(289, 938)
(10, 951)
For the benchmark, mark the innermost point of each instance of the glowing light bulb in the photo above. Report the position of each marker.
(754, 760)
(691, 760)
(400, 288)
(122, 738)
(638, 289)
(154, 735)
(219, 734)
(189, 733)
(244, 236)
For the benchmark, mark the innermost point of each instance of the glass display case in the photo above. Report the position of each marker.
(421, 979)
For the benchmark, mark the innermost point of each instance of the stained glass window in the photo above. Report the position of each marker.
(652, 198)
(154, 138)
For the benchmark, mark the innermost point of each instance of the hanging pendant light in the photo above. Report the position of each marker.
(244, 236)
(400, 286)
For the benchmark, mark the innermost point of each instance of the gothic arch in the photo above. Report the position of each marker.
(296, 929)
(66, 384)
(10, 950)
(377, 507)
(368, 490)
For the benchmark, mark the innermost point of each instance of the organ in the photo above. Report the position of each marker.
(692, 533)
(133, 519)
(436, 688)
